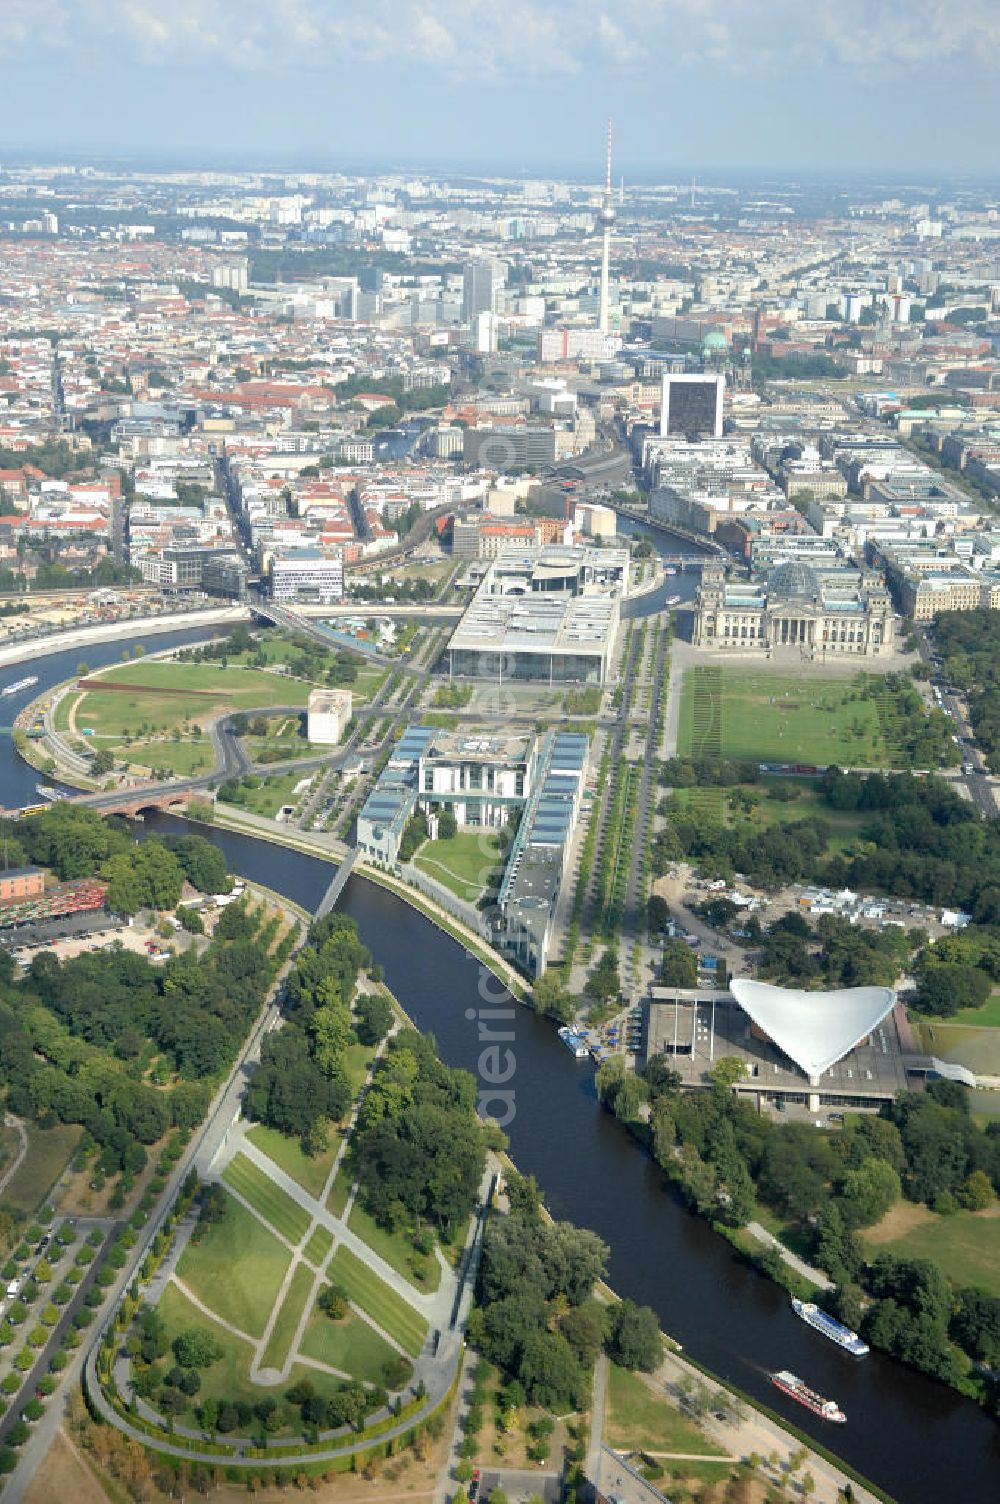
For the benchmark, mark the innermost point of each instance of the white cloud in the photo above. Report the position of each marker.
(499, 38)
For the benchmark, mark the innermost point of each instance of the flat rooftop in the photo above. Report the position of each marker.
(479, 746)
(680, 1024)
(537, 623)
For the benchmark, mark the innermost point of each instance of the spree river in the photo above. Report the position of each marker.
(918, 1440)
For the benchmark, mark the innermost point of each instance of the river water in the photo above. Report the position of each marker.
(916, 1439)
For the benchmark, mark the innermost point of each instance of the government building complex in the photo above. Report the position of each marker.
(818, 611)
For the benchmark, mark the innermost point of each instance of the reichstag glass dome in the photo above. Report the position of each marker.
(793, 580)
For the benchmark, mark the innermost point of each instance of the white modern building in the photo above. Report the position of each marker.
(327, 716)
(308, 575)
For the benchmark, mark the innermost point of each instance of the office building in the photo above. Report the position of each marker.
(308, 575)
(546, 615)
(511, 448)
(483, 777)
(481, 282)
(328, 713)
(692, 406)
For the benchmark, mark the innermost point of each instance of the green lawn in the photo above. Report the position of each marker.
(464, 864)
(778, 801)
(336, 1202)
(319, 1245)
(358, 1064)
(286, 1325)
(393, 1314)
(964, 1245)
(397, 1250)
(350, 1345)
(199, 691)
(636, 1419)
(49, 1152)
(975, 1047)
(274, 1204)
(287, 1153)
(182, 758)
(229, 1378)
(368, 683)
(767, 717)
(986, 1017)
(241, 1289)
(272, 793)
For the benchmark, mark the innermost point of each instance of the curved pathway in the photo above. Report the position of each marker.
(10, 1121)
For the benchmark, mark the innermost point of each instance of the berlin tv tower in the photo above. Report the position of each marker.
(605, 219)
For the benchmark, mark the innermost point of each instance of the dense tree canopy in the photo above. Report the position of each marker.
(418, 1147)
(535, 1317)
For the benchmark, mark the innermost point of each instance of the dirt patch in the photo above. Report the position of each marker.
(119, 686)
(79, 1200)
(898, 1221)
(65, 1474)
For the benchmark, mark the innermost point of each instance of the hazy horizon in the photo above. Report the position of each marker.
(711, 86)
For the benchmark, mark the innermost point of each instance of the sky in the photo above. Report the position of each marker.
(894, 87)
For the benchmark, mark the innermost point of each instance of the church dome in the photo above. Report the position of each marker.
(793, 580)
(715, 340)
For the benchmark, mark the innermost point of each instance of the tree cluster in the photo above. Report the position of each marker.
(78, 1037)
(418, 1147)
(302, 1082)
(970, 649)
(723, 1155)
(536, 1317)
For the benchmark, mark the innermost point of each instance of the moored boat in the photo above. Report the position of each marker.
(828, 1326)
(573, 1041)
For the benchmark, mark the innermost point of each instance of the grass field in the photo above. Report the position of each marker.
(766, 717)
(229, 1378)
(242, 1290)
(350, 1345)
(779, 801)
(964, 1245)
(292, 1308)
(336, 1202)
(986, 1017)
(272, 793)
(49, 1152)
(393, 1314)
(637, 1419)
(357, 1065)
(273, 1204)
(319, 1245)
(181, 758)
(397, 1250)
(288, 1155)
(205, 690)
(975, 1046)
(463, 864)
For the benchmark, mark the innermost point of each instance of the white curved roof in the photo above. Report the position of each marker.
(815, 1029)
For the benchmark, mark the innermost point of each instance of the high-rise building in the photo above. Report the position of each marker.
(692, 406)
(481, 282)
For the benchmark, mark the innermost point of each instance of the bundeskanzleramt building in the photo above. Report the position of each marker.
(796, 607)
(483, 778)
